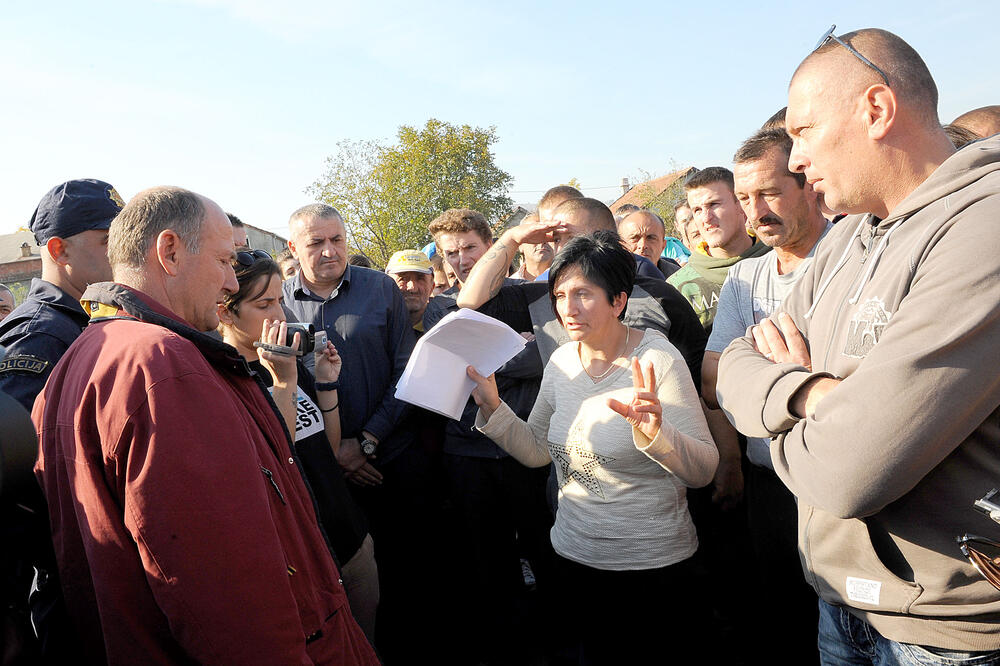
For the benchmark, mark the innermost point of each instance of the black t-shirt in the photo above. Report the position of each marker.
(342, 520)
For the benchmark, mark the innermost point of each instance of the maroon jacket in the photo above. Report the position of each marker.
(182, 526)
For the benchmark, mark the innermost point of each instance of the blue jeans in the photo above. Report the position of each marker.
(845, 640)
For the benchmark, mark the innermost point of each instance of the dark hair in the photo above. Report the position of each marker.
(960, 136)
(624, 211)
(762, 141)
(283, 256)
(709, 175)
(248, 276)
(359, 260)
(777, 121)
(602, 259)
(235, 221)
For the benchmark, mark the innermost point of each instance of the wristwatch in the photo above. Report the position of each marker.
(327, 386)
(368, 446)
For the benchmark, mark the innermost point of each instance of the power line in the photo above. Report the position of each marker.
(601, 187)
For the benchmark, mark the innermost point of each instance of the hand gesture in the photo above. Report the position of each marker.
(282, 368)
(781, 346)
(644, 413)
(535, 232)
(328, 363)
(485, 394)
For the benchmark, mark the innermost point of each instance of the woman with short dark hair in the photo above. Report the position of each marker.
(619, 415)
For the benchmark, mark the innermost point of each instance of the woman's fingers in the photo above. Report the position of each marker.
(618, 407)
(636, 374)
(650, 376)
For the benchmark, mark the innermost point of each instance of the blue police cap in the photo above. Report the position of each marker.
(74, 207)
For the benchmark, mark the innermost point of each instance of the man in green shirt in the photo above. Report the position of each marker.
(724, 240)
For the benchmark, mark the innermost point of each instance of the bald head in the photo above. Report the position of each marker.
(849, 129)
(983, 122)
(909, 78)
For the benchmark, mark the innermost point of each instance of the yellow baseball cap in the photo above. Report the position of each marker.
(409, 261)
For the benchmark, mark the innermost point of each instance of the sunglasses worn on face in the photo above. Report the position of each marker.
(247, 258)
(828, 35)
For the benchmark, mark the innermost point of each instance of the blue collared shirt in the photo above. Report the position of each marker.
(366, 320)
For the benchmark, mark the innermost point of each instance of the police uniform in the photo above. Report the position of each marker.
(36, 335)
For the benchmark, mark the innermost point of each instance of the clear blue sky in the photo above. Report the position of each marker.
(243, 100)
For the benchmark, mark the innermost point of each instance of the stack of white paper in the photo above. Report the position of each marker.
(435, 377)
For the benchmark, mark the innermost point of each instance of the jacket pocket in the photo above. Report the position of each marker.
(845, 568)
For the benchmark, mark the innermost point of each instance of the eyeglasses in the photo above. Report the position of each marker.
(984, 555)
(828, 35)
(248, 258)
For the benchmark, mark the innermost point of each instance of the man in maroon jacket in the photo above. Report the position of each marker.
(183, 530)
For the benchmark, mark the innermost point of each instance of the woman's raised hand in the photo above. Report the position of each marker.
(644, 413)
(282, 367)
(328, 363)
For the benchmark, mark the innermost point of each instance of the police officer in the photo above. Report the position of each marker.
(71, 224)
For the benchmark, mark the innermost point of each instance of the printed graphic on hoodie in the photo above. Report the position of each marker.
(865, 328)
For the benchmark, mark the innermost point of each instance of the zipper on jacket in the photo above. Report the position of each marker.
(270, 477)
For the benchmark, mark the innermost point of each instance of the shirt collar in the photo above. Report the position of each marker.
(300, 290)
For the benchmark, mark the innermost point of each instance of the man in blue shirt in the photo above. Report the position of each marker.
(364, 315)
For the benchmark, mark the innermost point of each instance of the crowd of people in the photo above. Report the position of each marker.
(751, 435)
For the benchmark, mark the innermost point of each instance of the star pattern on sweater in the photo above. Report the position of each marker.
(565, 454)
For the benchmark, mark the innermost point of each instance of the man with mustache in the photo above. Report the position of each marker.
(784, 213)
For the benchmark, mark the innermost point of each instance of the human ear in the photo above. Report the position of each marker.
(168, 248)
(880, 108)
(57, 250)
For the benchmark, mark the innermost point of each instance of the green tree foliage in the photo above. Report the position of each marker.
(388, 194)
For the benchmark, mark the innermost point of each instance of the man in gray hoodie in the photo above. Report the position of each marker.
(878, 379)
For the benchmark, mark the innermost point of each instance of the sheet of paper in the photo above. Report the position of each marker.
(435, 377)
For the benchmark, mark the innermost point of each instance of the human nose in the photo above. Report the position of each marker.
(797, 160)
(756, 208)
(231, 285)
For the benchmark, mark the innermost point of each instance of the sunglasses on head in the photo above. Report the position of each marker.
(247, 258)
(828, 36)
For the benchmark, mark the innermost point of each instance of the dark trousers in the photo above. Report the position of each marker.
(404, 517)
(499, 516)
(783, 597)
(646, 616)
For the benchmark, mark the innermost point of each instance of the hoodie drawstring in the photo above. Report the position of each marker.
(871, 266)
(836, 269)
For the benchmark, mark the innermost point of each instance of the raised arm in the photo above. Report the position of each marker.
(487, 276)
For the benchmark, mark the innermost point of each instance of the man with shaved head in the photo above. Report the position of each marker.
(876, 378)
(183, 528)
(983, 122)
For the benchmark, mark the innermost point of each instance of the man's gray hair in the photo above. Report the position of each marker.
(315, 210)
(147, 214)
